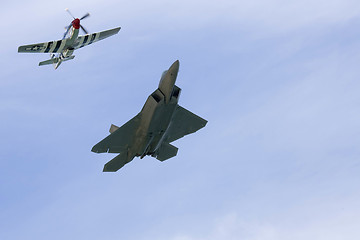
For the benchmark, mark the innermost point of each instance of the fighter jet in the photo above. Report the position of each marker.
(160, 122)
(62, 50)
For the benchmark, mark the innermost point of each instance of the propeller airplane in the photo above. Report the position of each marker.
(62, 50)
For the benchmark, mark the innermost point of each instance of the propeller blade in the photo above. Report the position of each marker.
(86, 32)
(67, 30)
(69, 12)
(85, 16)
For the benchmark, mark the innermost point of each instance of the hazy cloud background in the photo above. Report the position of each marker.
(278, 82)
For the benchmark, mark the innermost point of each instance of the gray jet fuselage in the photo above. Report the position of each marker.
(156, 114)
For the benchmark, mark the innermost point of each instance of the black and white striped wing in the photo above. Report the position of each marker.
(47, 47)
(88, 39)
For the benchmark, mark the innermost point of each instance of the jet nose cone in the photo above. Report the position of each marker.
(175, 67)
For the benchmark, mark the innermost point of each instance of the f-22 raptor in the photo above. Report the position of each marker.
(160, 122)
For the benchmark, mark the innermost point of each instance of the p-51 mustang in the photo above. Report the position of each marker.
(63, 49)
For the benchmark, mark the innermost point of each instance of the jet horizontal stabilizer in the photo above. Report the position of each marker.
(117, 162)
(166, 151)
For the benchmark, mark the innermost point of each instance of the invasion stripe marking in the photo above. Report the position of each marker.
(85, 40)
(53, 45)
(58, 43)
(97, 37)
(62, 46)
(93, 36)
(48, 47)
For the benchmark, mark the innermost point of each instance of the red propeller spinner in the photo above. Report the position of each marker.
(76, 23)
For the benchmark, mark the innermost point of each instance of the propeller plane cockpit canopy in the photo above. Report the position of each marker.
(62, 50)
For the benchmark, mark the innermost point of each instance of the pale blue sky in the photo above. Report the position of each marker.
(277, 80)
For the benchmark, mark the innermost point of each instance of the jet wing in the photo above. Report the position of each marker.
(183, 123)
(46, 47)
(119, 140)
(88, 39)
